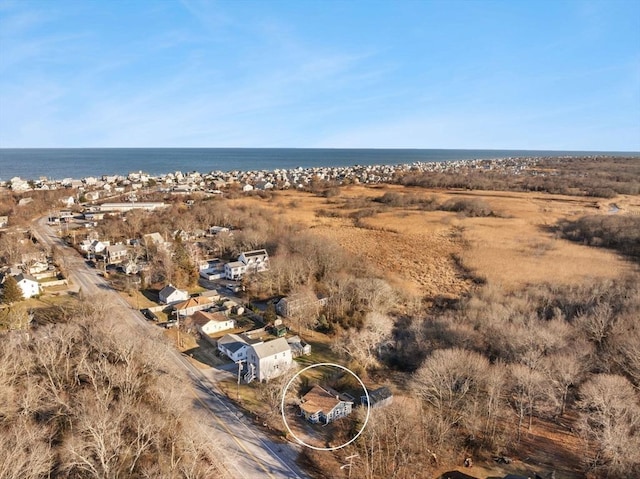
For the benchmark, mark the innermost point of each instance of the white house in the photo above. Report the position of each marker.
(233, 346)
(268, 360)
(37, 267)
(192, 305)
(212, 323)
(322, 405)
(93, 246)
(170, 295)
(234, 270)
(28, 284)
(212, 269)
(256, 261)
(264, 185)
(248, 261)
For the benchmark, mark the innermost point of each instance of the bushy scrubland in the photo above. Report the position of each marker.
(83, 397)
(597, 177)
(619, 232)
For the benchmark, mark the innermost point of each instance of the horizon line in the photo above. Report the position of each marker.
(307, 148)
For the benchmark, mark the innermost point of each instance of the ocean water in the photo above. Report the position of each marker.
(59, 163)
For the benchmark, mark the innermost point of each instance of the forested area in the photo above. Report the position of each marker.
(35, 203)
(82, 396)
(479, 373)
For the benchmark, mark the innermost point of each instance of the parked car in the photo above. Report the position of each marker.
(149, 314)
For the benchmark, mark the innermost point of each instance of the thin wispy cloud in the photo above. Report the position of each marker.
(196, 73)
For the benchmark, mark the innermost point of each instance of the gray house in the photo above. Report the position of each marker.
(378, 397)
(323, 405)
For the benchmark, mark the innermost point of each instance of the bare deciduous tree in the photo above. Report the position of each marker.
(452, 382)
(364, 346)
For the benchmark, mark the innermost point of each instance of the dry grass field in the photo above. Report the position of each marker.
(413, 247)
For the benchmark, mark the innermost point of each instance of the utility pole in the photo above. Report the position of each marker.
(239, 363)
(178, 326)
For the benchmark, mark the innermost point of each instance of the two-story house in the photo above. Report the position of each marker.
(268, 360)
(28, 284)
(116, 253)
(254, 261)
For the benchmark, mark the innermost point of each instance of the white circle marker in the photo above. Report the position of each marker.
(284, 419)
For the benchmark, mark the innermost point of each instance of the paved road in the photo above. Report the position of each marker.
(248, 452)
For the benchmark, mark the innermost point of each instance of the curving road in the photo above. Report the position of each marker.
(248, 452)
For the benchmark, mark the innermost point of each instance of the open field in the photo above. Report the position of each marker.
(413, 247)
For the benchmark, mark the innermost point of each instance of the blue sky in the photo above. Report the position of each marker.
(519, 74)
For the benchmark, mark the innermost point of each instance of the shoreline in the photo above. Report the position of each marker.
(66, 164)
(280, 178)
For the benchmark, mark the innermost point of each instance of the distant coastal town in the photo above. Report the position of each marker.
(216, 181)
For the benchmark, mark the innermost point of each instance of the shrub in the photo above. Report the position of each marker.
(468, 207)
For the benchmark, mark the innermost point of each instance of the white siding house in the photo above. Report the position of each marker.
(268, 360)
(212, 323)
(256, 261)
(248, 262)
(234, 270)
(28, 284)
(233, 346)
(170, 294)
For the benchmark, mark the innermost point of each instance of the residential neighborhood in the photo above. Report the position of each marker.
(245, 297)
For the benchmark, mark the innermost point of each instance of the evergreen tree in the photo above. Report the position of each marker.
(11, 292)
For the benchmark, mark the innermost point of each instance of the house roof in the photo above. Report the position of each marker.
(153, 238)
(116, 248)
(202, 317)
(319, 400)
(235, 264)
(380, 394)
(168, 290)
(232, 342)
(193, 302)
(270, 348)
(20, 276)
(257, 252)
